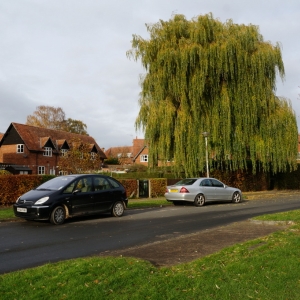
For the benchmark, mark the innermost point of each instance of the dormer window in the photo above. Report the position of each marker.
(63, 152)
(119, 155)
(20, 148)
(47, 151)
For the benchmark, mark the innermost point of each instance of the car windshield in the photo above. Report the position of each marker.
(187, 181)
(56, 183)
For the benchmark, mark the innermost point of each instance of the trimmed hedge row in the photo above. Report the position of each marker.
(13, 186)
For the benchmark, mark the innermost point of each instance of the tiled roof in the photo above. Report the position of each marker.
(114, 151)
(34, 137)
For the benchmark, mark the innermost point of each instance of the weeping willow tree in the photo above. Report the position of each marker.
(207, 76)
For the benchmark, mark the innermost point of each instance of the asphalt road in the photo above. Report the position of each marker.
(26, 244)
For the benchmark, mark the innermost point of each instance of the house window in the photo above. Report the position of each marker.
(20, 148)
(62, 173)
(41, 170)
(119, 155)
(47, 151)
(52, 171)
(63, 152)
(129, 155)
(144, 158)
(93, 155)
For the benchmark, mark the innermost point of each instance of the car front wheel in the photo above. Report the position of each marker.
(58, 215)
(117, 209)
(199, 200)
(236, 197)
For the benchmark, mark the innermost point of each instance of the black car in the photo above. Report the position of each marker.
(72, 195)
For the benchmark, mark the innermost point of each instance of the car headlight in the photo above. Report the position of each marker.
(42, 200)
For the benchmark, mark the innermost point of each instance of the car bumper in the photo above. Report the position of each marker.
(179, 197)
(34, 212)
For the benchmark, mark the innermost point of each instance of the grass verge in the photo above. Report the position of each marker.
(265, 268)
(6, 213)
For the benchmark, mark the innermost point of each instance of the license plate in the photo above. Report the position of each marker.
(23, 210)
(173, 191)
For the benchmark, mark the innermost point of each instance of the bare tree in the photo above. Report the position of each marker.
(54, 118)
(47, 117)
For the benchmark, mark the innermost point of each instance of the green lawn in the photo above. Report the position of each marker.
(265, 268)
(6, 213)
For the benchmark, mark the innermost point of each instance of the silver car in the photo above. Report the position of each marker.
(201, 190)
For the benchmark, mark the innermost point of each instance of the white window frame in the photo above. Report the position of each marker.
(47, 151)
(63, 152)
(129, 154)
(62, 173)
(41, 170)
(93, 155)
(52, 171)
(20, 148)
(144, 158)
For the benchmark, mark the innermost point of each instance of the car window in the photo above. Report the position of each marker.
(101, 183)
(84, 184)
(69, 188)
(114, 183)
(217, 183)
(57, 183)
(187, 181)
(205, 182)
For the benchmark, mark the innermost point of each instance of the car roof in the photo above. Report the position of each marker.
(82, 175)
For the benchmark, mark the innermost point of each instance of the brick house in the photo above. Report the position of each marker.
(28, 149)
(130, 155)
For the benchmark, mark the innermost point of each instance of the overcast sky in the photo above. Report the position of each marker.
(72, 54)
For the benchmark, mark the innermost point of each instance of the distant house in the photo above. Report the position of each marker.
(28, 149)
(130, 155)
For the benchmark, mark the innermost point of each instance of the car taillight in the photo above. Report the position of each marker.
(184, 190)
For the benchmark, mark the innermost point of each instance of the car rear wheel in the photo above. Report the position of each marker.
(58, 215)
(117, 209)
(236, 197)
(199, 200)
